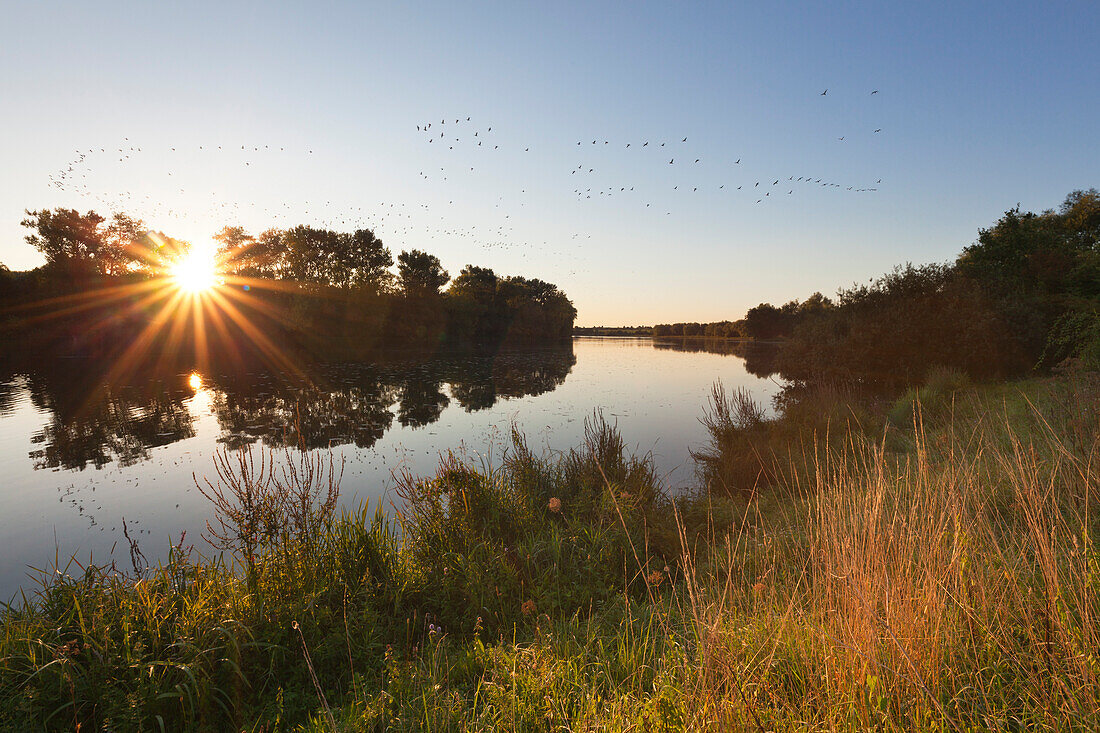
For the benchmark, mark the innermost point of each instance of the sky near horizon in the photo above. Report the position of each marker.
(276, 114)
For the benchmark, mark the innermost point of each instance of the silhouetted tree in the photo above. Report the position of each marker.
(363, 261)
(123, 249)
(474, 310)
(337, 292)
(765, 321)
(69, 240)
(420, 274)
(234, 249)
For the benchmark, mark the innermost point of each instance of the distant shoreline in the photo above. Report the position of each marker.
(599, 332)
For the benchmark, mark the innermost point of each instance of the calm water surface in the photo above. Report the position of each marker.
(78, 455)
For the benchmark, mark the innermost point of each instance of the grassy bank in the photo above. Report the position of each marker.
(925, 563)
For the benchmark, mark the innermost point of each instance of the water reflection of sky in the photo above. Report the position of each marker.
(79, 455)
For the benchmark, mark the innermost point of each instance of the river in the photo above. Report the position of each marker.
(80, 453)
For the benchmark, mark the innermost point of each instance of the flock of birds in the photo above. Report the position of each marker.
(401, 220)
(459, 133)
(675, 167)
(586, 166)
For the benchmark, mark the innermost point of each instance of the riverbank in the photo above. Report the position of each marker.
(923, 563)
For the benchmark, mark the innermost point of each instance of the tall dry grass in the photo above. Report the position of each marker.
(941, 576)
(956, 586)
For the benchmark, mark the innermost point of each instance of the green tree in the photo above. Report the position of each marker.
(266, 258)
(69, 240)
(308, 254)
(420, 274)
(363, 261)
(476, 283)
(122, 249)
(816, 305)
(765, 321)
(234, 249)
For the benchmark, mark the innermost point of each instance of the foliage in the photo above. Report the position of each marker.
(897, 328)
(194, 644)
(1023, 296)
(65, 235)
(613, 331)
(719, 329)
(946, 584)
(1075, 335)
(316, 290)
(420, 274)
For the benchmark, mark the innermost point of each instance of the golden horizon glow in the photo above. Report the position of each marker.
(190, 292)
(197, 272)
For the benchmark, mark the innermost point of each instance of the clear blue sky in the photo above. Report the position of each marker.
(980, 106)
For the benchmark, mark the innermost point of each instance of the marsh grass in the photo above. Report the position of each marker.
(935, 575)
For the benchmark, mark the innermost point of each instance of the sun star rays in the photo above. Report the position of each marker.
(180, 308)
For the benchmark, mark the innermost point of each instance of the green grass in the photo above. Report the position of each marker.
(923, 564)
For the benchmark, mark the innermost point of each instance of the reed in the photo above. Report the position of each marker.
(935, 575)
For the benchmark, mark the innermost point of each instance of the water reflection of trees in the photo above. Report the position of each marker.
(94, 420)
(759, 356)
(305, 416)
(357, 403)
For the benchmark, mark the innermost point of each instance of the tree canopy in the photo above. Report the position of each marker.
(420, 274)
(314, 285)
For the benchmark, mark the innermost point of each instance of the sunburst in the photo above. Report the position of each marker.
(197, 271)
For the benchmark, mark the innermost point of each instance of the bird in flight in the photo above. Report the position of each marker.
(875, 92)
(879, 130)
(825, 92)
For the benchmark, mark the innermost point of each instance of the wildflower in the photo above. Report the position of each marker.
(68, 650)
(528, 607)
(654, 578)
(555, 505)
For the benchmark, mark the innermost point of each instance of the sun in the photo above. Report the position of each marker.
(197, 272)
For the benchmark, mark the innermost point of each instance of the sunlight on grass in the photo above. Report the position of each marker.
(926, 587)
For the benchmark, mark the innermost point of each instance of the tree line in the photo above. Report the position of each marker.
(764, 322)
(1024, 297)
(317, 287)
